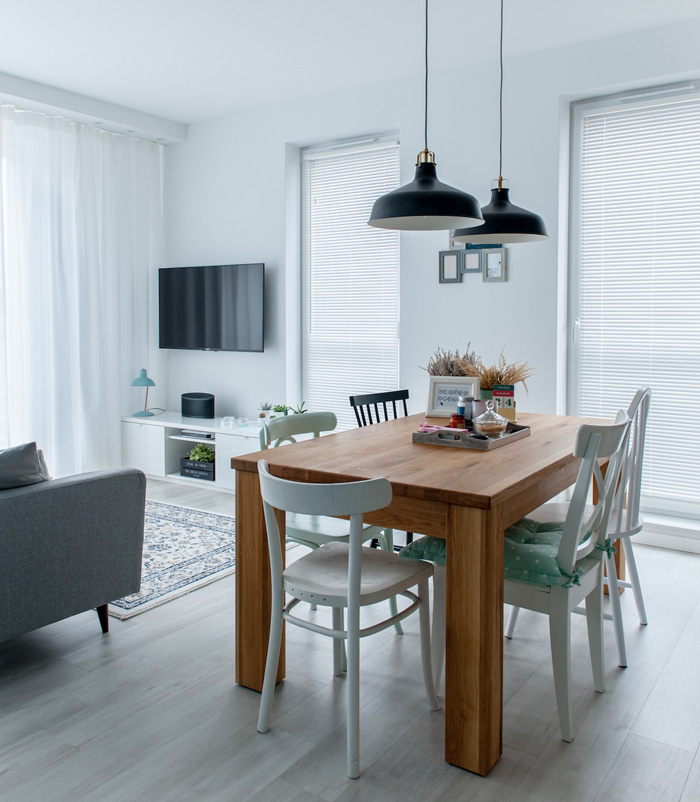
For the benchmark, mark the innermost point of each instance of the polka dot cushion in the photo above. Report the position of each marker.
(530, 551)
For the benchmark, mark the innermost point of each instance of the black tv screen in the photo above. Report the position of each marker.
(215, 308)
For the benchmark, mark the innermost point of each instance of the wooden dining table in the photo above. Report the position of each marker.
(465, 496)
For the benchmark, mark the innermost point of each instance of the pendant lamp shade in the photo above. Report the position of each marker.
(426, 204)
(503, 223)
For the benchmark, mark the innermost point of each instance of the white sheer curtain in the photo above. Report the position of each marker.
(80, 238)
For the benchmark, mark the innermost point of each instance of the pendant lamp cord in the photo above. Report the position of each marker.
(425, 123)
(500, 109)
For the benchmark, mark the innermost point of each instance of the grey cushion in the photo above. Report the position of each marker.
(20, 466)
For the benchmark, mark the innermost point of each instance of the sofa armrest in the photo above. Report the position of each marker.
(67, 545)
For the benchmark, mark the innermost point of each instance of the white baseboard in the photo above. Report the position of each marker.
(680, 534)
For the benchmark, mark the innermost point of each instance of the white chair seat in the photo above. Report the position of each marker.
(321, 577)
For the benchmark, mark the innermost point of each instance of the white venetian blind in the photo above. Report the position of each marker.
(351, 278)
(636, 281)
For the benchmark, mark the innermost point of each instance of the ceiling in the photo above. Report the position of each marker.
(190, 60)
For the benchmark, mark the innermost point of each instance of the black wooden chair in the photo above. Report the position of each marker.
(376, 408)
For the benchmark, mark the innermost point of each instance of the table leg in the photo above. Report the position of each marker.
(474, 639)
(253, 592)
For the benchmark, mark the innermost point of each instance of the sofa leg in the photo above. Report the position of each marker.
(104, 618)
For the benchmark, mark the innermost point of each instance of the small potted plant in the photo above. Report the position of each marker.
(299, 410)
(279, 409)
(199, 463)
(264, 410)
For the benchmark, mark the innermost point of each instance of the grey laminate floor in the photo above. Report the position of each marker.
(151, 712)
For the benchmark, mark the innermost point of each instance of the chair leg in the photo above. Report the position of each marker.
(424, 618)
(560, 640)
(273, 656)
(438, 633)
(594, 623)
(388, 545)
(512, 621)
(631, 564)
(353, 691)
(337, 643)
(104, 617)
(616, 609)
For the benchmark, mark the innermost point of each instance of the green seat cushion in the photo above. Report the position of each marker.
(530, 551)
(426, 548)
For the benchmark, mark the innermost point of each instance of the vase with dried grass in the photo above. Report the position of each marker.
(447, 363)
(500, 373)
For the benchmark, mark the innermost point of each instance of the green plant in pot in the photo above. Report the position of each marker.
(202, 453)
(264, 409)
(299, 410)
(281, 409)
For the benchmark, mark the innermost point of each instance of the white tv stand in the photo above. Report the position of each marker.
(156, 444)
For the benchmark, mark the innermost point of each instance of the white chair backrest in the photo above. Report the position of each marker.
(626, 518)
(582, 532)
(346, 498)
(283, 429)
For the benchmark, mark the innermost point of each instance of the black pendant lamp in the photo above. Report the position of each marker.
(426, 204)
(503, 222)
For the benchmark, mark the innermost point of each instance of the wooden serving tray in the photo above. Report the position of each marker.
(459, 438)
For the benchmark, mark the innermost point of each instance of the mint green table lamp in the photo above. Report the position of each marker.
(142, 380)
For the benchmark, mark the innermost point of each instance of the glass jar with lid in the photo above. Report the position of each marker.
(490, 423)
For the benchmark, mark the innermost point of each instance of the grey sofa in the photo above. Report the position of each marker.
(69, 545)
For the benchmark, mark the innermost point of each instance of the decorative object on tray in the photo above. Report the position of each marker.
(199, 463)
(467, 438)
(183, 550)
(490, 423)
(504, 396)
(501, 377)
(445, 391)
(450, 270)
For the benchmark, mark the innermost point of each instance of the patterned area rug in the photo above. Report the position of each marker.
(183, 550)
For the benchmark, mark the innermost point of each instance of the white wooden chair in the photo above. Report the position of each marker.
(313, 531)
(625, 521)
(552, 567)
(309, 530)
(340, 576)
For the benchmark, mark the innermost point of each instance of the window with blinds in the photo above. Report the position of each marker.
(350, 285)
(635, 280)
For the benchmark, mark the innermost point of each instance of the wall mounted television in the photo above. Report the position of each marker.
(213, 308)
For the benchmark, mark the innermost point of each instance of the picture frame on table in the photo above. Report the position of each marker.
(493, 264)
(443, 392)
(450, 272)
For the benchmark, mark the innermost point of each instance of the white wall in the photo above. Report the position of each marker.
(225, 202)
